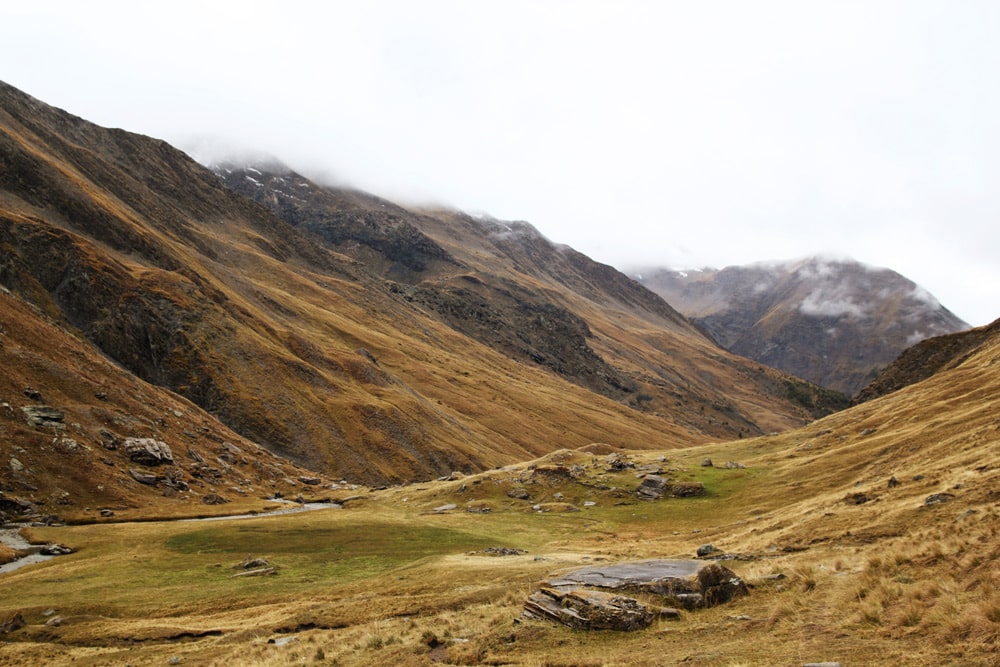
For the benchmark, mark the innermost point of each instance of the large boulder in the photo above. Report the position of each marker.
(148, 452)
(689, 583)
(653, 487)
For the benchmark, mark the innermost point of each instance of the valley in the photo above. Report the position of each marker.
(477, 408)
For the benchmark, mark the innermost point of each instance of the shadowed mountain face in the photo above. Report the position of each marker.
(835, 323)
(345, 333)
(927, 358)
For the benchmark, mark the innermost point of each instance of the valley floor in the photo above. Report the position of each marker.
(405, 576)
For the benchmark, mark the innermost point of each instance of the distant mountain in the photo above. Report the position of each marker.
(346, 334)
(833, 322)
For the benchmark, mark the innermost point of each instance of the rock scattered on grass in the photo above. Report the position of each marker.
(687, 489)
(938, 498)
(503, 551)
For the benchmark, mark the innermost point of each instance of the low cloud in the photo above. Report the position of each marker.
(831, 304)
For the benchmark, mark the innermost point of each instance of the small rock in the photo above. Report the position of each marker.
(618, 462)
(281, 641)
(107, 513)
(55, 550)
(213, 499)
(687, 489)
(893, 482)
(856, 499)
(938, 498)
(520, 493)
(311, 481)
(706, 550)
(868, 431)
(143, 477)
(15, 465)
(734, 465)
(12, 623)
(706, 463)
(503, 551)
(250, 563)
(55, 621)
(33, 393)
(445, 508)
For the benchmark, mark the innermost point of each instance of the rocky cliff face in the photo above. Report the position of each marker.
(832, 322)
(347, 334)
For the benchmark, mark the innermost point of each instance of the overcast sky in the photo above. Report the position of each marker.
(684, 134)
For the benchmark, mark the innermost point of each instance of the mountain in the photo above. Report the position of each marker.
(833, 322)
(348, 335)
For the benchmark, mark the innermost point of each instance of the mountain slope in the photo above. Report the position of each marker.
(385, 349)
(927, 358)
(833, 322)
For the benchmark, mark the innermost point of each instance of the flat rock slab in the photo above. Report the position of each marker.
(690, 583)
(625, 575)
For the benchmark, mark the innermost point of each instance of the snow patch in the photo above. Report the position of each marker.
(254, 181)
(253, 170)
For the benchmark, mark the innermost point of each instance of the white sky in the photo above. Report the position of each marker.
(688, 133)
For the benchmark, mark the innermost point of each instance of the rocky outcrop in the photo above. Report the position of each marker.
(42, 415)
(583, 609)
(148, 452)
(571, 598)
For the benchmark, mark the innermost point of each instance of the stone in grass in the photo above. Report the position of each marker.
(653, 487)
(687, 489)
(706, 550)
(938, 498)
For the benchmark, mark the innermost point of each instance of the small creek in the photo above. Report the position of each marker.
(12, 536)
